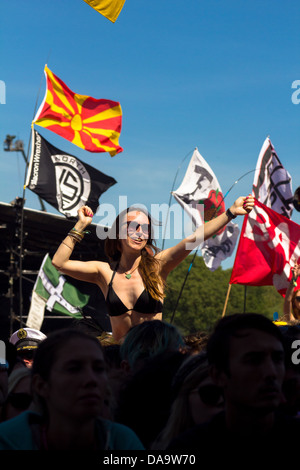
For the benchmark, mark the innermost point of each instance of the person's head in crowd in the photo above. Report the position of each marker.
(246, 355)
(147, 340)
(69, 409)
(145, 399)
(26, 341)
(19, 395)
(69, 375)
(195, 399)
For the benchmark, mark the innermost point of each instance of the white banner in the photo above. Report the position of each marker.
(201, 187)
(272, 183)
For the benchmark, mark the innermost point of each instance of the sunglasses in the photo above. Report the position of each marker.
(133, 227)
(297, 298)
(27, 353)
(21, 401)
(210, 394)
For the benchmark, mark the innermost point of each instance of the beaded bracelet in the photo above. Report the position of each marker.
(78, 236)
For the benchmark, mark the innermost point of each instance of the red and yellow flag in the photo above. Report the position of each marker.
(108, 8)
(94, 125)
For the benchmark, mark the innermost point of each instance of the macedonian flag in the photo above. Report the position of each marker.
(92, 124)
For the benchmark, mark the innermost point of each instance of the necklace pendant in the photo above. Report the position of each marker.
(128, 276)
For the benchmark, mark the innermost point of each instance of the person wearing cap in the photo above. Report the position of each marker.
(26, 341)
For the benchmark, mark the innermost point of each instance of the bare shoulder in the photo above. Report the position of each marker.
(105, 269)
(171, 257)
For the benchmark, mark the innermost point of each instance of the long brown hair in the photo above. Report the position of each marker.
(296, 310)
(149, 265)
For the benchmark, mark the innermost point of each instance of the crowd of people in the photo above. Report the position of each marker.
(151, 388)
(153, 392)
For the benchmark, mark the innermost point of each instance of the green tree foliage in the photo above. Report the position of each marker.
(203, 297)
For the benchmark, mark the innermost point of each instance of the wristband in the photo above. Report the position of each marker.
(230, 214)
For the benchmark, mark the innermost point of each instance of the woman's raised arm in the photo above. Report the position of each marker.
(90, 271)
(171, 257)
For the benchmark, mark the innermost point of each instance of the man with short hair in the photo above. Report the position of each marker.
(247, 360)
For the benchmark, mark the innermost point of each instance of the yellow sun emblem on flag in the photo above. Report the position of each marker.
(92, 124)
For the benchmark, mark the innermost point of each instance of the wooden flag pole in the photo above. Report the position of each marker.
(226, 300)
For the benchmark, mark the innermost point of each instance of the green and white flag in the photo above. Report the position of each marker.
(53, 292)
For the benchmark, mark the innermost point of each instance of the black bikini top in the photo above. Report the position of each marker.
(144, 304)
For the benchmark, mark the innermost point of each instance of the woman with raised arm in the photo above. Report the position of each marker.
(291, 306)
(133, 279)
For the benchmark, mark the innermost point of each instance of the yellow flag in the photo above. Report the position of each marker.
(108, 8)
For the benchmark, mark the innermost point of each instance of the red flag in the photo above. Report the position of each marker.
(269, 247)
(91, 124)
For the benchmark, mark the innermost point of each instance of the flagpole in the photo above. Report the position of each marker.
(229, 285)
(183, 284)
(226, 300)
(187, 155)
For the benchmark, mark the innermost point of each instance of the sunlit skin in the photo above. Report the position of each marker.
(131, 244)
(132, 240)
(292, 312)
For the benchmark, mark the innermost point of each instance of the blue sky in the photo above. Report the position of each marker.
(215, 74)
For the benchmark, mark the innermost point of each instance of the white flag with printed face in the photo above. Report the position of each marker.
(272, 183)
(201, 187)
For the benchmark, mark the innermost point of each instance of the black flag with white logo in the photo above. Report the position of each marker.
(63, 180)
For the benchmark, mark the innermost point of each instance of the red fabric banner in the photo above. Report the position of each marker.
(269, 247)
